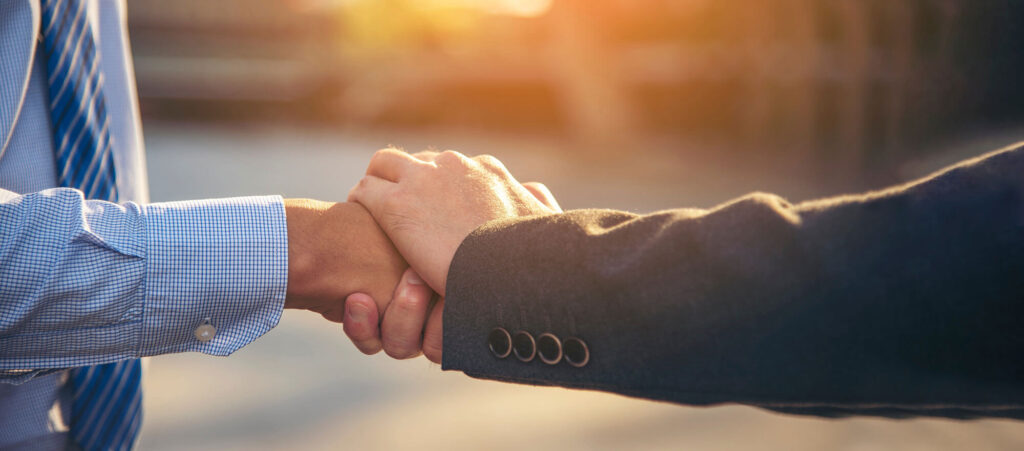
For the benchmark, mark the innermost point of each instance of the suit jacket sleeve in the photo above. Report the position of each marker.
(908, 301)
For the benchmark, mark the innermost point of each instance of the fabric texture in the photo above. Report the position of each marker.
(35, 414)
(19, 26)
(106, 408)
(89, 282)
(900, 302)
(78, 110)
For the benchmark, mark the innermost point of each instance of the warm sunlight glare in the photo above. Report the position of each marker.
(525, 8)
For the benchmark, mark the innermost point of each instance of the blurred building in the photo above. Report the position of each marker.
(854, 83)
(198, 59)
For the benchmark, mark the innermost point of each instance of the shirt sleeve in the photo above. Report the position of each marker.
(86, 282)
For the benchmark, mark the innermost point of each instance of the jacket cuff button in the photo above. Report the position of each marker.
(549, 349)
(500, 343)
(523, 346)
(576, 352)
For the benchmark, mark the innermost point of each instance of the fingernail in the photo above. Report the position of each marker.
(413, 278)
(358, 313)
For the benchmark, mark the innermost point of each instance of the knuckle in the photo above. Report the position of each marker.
(386, 151)
(410, 303)
(363, 189)
(432, 349)
(401, 350)
(451, 157)
(492, 164)
(426, 155)
(362, 184)
(488, 161)
(369, 348)
(401, 342)
(381, 153)
(491, 161)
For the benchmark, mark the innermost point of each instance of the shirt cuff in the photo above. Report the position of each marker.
(220, 262)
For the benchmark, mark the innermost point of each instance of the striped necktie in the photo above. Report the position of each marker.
(106, 405)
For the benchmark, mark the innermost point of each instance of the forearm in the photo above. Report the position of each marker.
(905, 299)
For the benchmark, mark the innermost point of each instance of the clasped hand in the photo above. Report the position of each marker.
(379, 263)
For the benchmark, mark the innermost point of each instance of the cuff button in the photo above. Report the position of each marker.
(549, 349)
(576, 352)
(205, 332)
(524, 346)
(500, 343)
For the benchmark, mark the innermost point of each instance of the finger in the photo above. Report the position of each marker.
(390, 164)
(433, 333)
(402, 328)
(361, 323)
(371, 191)
(543, 194)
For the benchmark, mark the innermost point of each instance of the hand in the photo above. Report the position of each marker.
(401, 333)
(429, 203)
(334, 250)
(446, 194)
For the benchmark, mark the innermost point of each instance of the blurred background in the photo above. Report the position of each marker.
(630, 104)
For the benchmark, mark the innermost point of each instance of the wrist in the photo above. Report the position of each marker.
(303, 217)
(334, 250)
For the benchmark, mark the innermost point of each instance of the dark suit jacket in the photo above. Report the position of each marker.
(907, 301)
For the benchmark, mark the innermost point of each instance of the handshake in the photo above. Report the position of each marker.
(902, 302)
(379, 263)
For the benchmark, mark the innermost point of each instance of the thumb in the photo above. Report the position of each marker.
(361, 323)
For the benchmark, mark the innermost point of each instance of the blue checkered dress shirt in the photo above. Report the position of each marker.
(90, 282)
